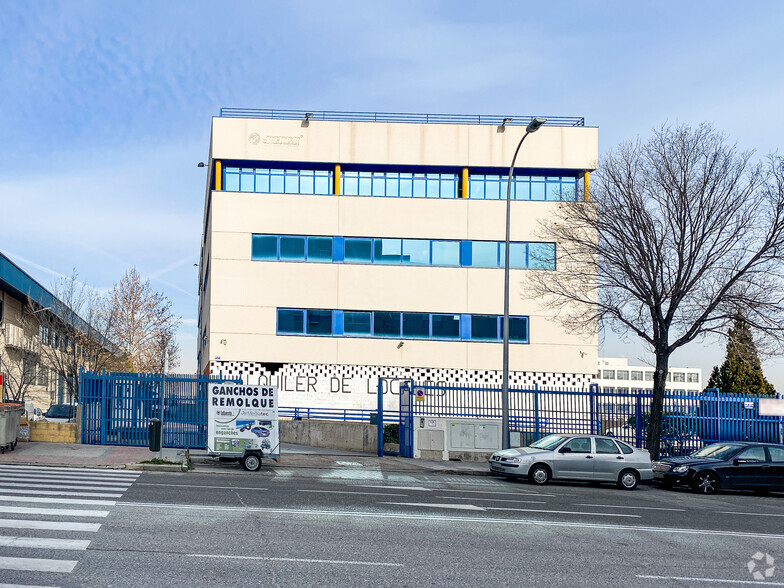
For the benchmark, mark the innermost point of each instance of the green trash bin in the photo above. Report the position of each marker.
(10, 414)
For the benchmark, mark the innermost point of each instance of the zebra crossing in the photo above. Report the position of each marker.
(48, 517)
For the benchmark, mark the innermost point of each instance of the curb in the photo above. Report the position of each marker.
(123, 466)
(158, 467)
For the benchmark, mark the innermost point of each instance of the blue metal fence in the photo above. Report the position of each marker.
(690, 420)
(117, 408)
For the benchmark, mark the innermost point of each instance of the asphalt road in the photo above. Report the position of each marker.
(351, 526)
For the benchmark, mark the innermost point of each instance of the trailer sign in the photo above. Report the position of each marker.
(241, 418)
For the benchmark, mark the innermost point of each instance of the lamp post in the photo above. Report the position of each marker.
(532, 127)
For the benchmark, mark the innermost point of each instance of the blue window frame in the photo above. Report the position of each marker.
(358, 250)
(416, 325)
(264, 247)
(392, 251)
(399, 184)
(357, 323)
(320, 249)
(319, 322)
(292, 248)
(494, 187)
(277, 180)
(484, 327)
(291, 321)
(386, 324)
(405, 325)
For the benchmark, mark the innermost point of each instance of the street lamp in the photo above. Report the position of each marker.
(532, 127)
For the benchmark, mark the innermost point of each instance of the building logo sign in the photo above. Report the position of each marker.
(292, 140)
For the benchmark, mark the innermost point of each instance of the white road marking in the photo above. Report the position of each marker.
(49, 525)
(30, 564)
(61, 512)
(60, 480)
(23, 586)
(633, 507)
(714, 580)
(68, 479)
(70, 471)
(493, 499)
(108, 472)
(40, 499)
(753, 514)
(43, 543)
(58, 493)
(568, 512)
(202, 486)
(419, 488)
(465, 519)
(352, 492)
(295, 559)
(64, 486)
(509, 493)
(432, 505)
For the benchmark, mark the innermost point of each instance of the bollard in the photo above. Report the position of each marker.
(155, 430)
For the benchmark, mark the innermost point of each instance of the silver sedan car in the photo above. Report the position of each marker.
(594, 458)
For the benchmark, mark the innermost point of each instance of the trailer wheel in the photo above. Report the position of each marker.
(251, 462)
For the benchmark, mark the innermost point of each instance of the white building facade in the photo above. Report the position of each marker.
(615, 374)
(342, 248)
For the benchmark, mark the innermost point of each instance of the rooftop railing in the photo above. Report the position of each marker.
(398, 117)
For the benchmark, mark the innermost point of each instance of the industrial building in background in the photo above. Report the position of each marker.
(339, 248)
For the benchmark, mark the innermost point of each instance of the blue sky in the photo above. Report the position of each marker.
(105, 107)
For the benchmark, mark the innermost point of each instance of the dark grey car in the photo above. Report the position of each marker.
(593, 458)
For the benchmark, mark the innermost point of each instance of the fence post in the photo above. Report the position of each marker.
(592, 390)
(380, 419)
(104, 408)
(638, 420)
(536, 411)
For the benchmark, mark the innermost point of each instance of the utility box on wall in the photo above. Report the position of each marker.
(466, 439)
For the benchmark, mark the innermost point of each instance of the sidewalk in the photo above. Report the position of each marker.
(292, 456)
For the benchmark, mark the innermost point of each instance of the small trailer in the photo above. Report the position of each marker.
(242, 424)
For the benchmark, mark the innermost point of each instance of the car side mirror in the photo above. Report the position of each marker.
(565, 450)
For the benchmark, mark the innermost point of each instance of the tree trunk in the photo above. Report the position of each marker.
(657, 403)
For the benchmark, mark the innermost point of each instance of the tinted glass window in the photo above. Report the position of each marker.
(356, 323)
(579, 445)
(446, 326)
(605, 446)
(292, 248)
(319, 322)
(753, 454)
(518, 328)
(717, 451)
(320, 249)
(416, 251)
(776, 454)
(484, 254)
(387, 250)
(386, 324)
(358, 250)
(541, 255)
(484, 327)
(416, 324)
(446, 253)
(625, 448)
(290, 321)
(264, 247)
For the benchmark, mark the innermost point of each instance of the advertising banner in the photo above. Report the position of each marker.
(241, 418)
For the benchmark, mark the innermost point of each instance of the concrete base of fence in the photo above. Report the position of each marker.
(345, 436)
(53, 432)
(465, 455)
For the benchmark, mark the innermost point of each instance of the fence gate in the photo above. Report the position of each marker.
(117, 408)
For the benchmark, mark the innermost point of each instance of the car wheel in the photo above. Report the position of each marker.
(539, 475)
(251, 462)
(705, 483)
(628, 480)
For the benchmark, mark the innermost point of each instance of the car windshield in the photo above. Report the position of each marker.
(549, 442)
(60, 411)
(716, 451)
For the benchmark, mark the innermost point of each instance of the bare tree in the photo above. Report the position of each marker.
(144, 324)
(683, 232)
(74, 333)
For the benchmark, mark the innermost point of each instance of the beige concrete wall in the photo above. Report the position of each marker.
(53, 432)
(404, 144)
(345, 436)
